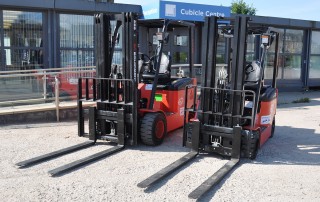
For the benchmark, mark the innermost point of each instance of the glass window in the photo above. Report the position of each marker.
(314, 71)
(292, 66)
(22, 50)
(290, 54)
(221, 50)
(251, 43)
(180, 57)
(314, 65)
(76, 58)
(76, 31)
(269, 59)
(293, 41)
(23, 44)
(315, 42)
(76, 40)
(181, 40)
(291, 58)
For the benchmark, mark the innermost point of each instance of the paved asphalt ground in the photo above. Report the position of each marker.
(287, 167)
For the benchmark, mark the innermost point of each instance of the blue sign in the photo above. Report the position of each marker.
(151, 10)
(192, 12)
(184, 11)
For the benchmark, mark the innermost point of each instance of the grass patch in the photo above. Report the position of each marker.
(302, 100)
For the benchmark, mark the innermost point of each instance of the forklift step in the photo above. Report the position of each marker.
(54, 154)
(85, 161)
(167, 170)
(214, 179)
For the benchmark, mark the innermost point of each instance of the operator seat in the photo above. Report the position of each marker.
(253, 73)
(252, 77)
(164, 75)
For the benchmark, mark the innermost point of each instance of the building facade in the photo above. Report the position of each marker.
(58, 33)
(50, 33)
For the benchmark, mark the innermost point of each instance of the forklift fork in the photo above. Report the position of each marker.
(86, 160)
(55, 154)
(224, 170)
(211, 181)
(175, 165)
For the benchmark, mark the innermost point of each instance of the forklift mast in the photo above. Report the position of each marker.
(114, 89)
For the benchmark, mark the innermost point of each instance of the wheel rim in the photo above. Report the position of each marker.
(159, 129)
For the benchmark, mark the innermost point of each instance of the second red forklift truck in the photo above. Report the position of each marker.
(235, 112)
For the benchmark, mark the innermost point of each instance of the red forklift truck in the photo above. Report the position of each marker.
(136, 100)
(235, 114)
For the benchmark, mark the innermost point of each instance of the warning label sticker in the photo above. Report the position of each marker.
(148, 87)
(266, 119)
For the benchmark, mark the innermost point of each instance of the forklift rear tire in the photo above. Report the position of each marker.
(254, 150)
(250, 144)
(153, 129)
(254, 146)
(273, 127)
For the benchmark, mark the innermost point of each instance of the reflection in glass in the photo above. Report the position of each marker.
(76, 58)
(250, 57)
(290, 48)
(314, 65)
(269, 62)
(180, 58)
(22, 50)
(292, 66)
(180, 40)
(221, 50)
(76, 31)
(293, 41)
(76, 40)
(22, 39)
(250, 43)
(1, 64)
(314, 71)
(315, 42)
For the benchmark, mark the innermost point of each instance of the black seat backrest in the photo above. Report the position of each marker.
(164, 72)
(253, 72)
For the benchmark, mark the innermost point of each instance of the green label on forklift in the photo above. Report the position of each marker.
(158, 97)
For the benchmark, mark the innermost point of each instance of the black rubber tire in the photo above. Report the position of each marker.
(250, 144)
(273, 127)
(254, 150)
(148, 129)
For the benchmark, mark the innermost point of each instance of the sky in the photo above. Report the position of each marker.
(296, 9)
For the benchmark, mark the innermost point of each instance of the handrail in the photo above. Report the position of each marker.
(51, 69)
(44, 73)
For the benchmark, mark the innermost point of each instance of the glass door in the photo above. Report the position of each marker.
(314, 63)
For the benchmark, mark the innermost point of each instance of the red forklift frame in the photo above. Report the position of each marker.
(121, 105)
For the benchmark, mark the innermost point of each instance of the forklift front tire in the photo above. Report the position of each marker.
(153, 129)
